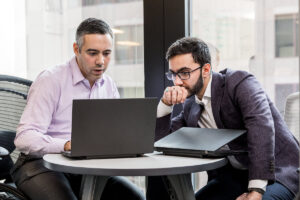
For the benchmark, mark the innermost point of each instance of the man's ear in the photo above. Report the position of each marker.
(75, 48)
(206, 70)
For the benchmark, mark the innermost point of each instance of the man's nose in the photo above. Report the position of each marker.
(177, 80)
(100, 60)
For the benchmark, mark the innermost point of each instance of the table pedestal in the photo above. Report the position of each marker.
(179, 187)
(92, 187)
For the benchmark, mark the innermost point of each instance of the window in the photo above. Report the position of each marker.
(53, 6)
(95, 2)
(242, 35)
(129, 44)
(287, 35)
(228, 28)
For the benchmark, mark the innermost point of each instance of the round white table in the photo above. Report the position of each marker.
(96, 171)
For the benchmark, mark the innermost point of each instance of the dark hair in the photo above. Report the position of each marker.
(195, 46)
(91, 26)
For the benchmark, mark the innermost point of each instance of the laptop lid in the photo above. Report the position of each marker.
(113, 127)
(197, 140)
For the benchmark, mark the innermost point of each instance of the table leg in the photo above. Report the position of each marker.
(180, 187)
(92, 187)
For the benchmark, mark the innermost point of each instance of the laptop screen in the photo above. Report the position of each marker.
(110, 127)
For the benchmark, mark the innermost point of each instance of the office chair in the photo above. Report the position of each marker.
(291, 117)
(13, 98)
(291, 113)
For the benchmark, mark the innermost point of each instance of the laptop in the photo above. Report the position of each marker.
(108, 128)
(199, 142)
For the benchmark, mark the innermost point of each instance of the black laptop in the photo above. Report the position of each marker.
(108, 128)
(199, 142)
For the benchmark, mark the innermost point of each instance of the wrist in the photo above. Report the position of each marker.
(259, 190)
(166, 103)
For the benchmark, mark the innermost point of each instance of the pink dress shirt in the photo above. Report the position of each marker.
(45, 125)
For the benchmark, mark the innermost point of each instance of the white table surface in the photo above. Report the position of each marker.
(148, 165)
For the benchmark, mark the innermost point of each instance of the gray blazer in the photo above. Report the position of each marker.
(239, 102)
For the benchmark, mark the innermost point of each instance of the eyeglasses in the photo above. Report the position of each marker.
(183, 75)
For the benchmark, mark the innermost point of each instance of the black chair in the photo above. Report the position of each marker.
(13, 98)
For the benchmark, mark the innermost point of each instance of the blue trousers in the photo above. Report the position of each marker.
(231, 183)
(225, 183)
(277, 191)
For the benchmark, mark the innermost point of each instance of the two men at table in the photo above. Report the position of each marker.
(45, 126)
(229, 100)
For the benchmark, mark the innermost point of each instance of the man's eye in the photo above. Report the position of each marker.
(184, 73)
(92, 53)
(106, 53)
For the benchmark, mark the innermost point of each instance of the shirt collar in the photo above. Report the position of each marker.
(207, 94)
(76, 73)
(78, 77)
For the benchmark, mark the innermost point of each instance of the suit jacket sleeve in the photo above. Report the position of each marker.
(254, 106)
(165, 126)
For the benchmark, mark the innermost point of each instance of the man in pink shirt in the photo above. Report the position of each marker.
(45, 126)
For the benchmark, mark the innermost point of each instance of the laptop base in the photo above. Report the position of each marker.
(69, 155)
(200, 154)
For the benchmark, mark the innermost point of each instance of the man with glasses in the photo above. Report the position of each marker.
(228, 100)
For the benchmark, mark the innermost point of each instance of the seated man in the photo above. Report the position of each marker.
(45, 126)
(228, 100)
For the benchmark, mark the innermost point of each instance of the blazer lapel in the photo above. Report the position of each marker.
(217, 91)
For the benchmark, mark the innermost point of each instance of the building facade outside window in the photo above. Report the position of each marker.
(129, 44)
(258, 36)
(287, 35)
(95, 2)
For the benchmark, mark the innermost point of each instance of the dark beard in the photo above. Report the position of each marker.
(197, 87)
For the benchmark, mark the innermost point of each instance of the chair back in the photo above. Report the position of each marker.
(13, 99)
(291, 113)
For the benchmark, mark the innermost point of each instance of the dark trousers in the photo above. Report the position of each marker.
(225, 183)
(40, 183)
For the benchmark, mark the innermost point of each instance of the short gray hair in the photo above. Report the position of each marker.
(91, 26)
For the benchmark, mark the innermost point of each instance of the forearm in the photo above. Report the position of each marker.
(35, 143)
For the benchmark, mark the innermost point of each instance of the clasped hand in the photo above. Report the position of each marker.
(174, 95)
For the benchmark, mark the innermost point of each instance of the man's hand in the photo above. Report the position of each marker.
(174, 95)
(250, 196)
(67, 146)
